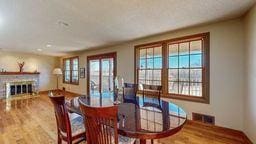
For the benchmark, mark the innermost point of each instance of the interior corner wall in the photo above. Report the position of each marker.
(250, 59)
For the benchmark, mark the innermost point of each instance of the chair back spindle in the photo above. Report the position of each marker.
(100, 124)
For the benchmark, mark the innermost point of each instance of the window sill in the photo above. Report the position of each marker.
(187, 98)
(179, 97)
(71, 83)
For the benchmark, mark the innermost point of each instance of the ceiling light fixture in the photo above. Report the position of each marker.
(39, 50)
(63, 24)
(48, 45)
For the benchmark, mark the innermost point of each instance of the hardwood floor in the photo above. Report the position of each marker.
(32, 121)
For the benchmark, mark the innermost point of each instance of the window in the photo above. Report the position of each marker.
(180, 65)
(185, 68)
(71, 70)
(150, 65)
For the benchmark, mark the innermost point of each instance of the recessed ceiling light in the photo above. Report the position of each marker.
(39, 50)
(48, 45)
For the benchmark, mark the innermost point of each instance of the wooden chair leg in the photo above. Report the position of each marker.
(59, 139)
(152, 141)
(69, 142)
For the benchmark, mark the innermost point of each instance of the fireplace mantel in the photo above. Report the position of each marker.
(19, 73)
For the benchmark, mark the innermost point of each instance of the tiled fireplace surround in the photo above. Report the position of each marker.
(7, 80)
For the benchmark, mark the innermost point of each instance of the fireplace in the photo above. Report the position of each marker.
(20, 88)
(15, 84)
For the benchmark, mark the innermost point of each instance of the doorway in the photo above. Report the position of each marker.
(101, 71)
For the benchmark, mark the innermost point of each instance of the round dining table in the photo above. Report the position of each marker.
(143, 118)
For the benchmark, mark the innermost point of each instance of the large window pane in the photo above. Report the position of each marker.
(184, 88)
(67, 76)
(195, 47)
(157, 63)
(184, 48)
(150, 63)
(196, 60)
(196, 89)
(158, 52)
(173, 50)
(196, 75)
(142, 63)
(173, 75)
(75, 74)
(94, 75)
(150, 53)
(74, 67)
(173, 62)
(143, 53)
(184, 75)
(157, 74)
(173, 87)
(75, 61)
(149, 74)
(75, 64)
(67, 64)
(142, 74)
(184, 61)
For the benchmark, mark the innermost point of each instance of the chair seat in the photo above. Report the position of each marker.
(77, 124)
(125, 140)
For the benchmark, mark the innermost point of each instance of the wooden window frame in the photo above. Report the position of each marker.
(205, 98)
(146, 69)
(71, 71)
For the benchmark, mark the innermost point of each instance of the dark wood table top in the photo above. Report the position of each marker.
(144, 118)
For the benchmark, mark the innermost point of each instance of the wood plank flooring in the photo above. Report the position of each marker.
(32, 121)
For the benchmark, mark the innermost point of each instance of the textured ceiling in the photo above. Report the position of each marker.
(28, 25)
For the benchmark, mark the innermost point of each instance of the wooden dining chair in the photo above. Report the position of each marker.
(130, 93)
(70, 126)
(57, 93)
(154, 91)
(154, 101)
(101, 125)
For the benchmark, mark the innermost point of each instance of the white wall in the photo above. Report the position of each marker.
(250, 99)
(226, 70)
(43, 64)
